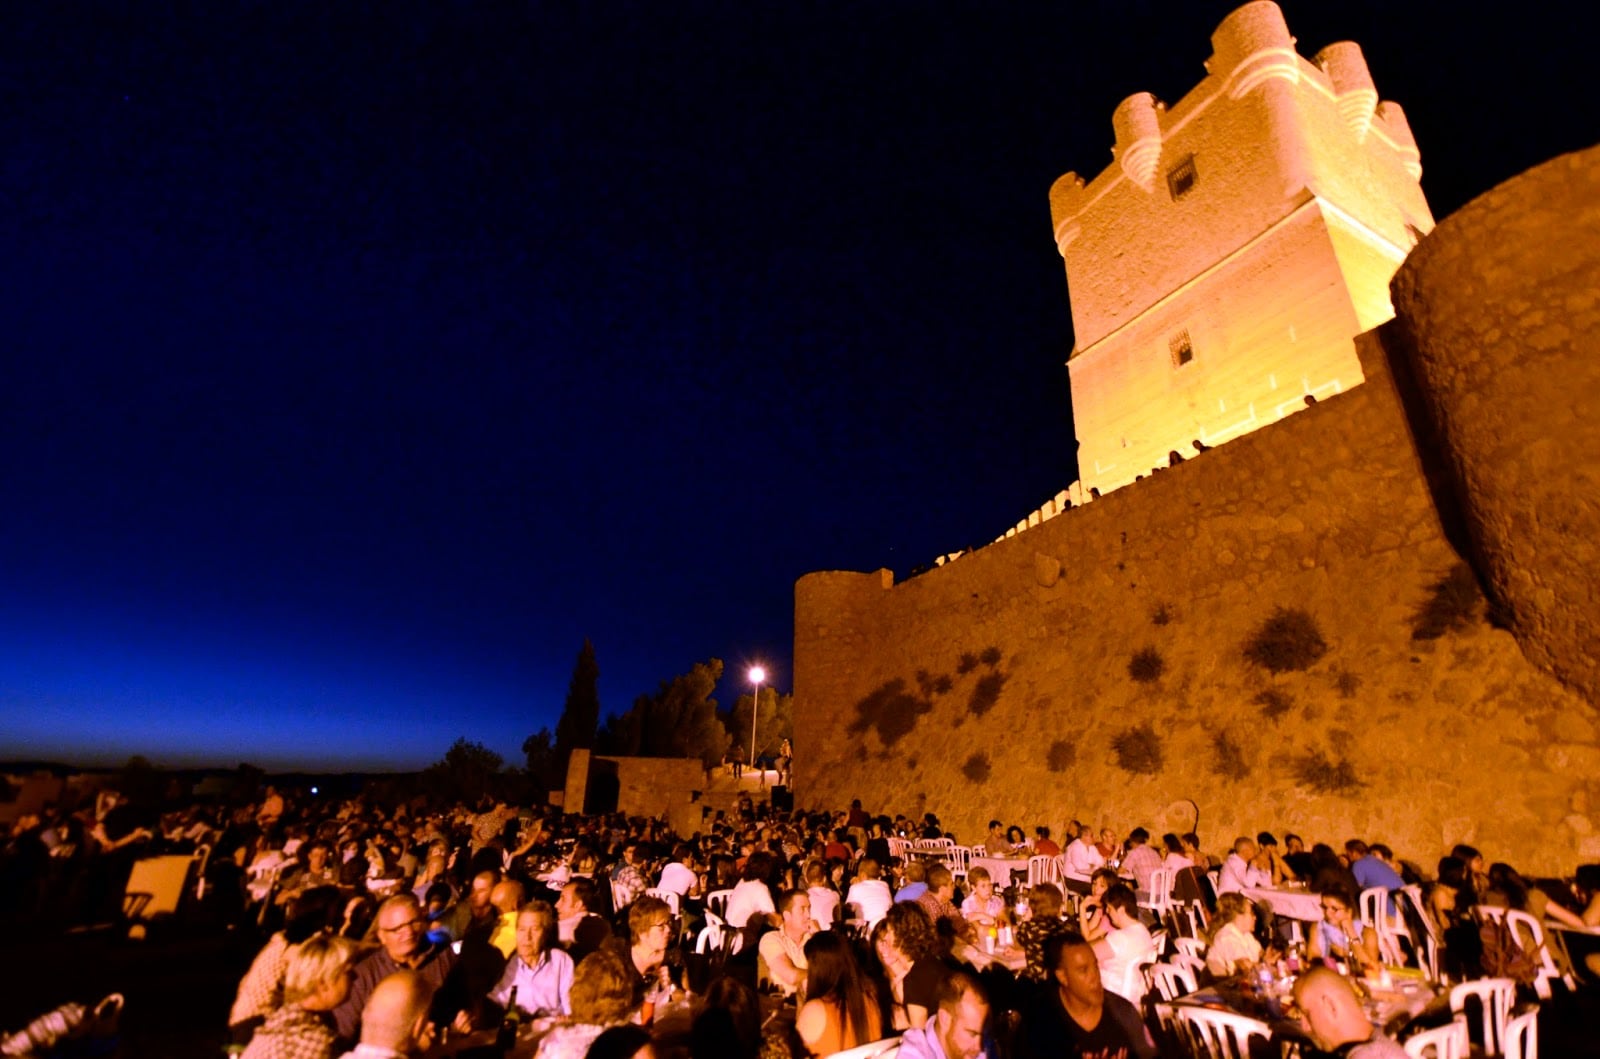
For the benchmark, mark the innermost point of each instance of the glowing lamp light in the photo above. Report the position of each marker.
(757, 675)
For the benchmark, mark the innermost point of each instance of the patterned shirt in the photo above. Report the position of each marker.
(292, 1033)
(1031, 935)
(261, 989)
(631, 881)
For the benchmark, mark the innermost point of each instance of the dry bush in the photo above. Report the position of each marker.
(1146, 665)
(1347, 683)
(1274, 702)
(967, 663)
(1161, 615)
(1229, 761)
(977, 768)
(1062, 755)
(986, 693)
(1138, 750)
(892, 709)
(990, 656)
(1287, 641)
(1324, 775)
(1452, 605)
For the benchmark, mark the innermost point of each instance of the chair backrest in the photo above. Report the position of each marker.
(1195, 964)
(959, 861)
(1042, 870)
(1528, 931)
(1134, 985)
(898, 847)
(717, 901)
(1195, 947)
(669, 896)
(621, 898)
(1425, 939)
(871, 1050)
(1374, 905)
(1172, 980)
(1522, 1036)
(1160, 897)
(1441, 1042)
(715, 937)
(1220, 1034)
(1497, 995)
(1483, 912)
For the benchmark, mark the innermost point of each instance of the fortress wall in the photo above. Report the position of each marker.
(1501, 313)
(1000, 685)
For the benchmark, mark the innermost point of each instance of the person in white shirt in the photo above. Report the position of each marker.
(868, 898)
(1082, 856)
(781, 953)
(752, 896)
(1241, 870)
(824, 898)
(679, 876)
(1126, 945)
(540, 973)
(1174, 859)
(1232, 946)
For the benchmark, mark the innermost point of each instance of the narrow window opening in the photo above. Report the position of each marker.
(1182, 177)
(1182, 350)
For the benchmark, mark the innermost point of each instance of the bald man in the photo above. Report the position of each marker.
(506, 898)
(1332, 1013)
(395, 1020)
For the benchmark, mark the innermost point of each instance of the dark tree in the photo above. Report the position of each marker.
(580, 717)
(544, 766)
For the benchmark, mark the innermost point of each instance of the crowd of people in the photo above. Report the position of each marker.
(390, 927)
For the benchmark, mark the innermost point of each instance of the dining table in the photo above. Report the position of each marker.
(1000, 869)
(1391, 1005)
(1294, 902)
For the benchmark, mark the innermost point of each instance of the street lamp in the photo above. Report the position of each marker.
(757, 675)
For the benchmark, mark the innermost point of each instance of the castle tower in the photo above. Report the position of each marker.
(1222, 266)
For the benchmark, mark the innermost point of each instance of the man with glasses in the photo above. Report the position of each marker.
(402, 933)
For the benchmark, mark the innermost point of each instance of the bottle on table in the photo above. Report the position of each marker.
(506, 1038)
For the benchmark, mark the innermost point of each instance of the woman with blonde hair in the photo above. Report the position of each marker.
(316, 981)
(602, 993)
(1232, 946)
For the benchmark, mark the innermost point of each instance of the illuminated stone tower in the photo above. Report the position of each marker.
(1222, 265)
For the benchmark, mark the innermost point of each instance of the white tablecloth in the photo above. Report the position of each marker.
(1291, 904)
(1000, 868)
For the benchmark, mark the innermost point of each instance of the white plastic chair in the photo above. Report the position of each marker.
(1426, 947)
(1442, 1042)
(620, 897)
(1172, 980)
(1522, 925)
(871, 1050)
(960, 861)
(1497, 996)
(1522, 1036)
(1194, 964)
(1375, 911)
(715, 935)
(1042, 870)
(669, 896)
(1159, 897)
(717, 901)
(1219, 1034)
(1195, 947)
(1133, 986)
(898, 848)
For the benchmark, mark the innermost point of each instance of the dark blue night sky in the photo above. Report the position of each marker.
(360, 360)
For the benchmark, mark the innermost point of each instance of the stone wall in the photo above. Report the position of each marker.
(1095, 666)
(1502, 322)
(666, 787)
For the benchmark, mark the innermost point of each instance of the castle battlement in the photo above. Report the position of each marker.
(1222, 265)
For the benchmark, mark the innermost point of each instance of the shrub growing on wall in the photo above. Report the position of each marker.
(892, 709)
(1146, 665)
(977, 768)
(1287, 641)
(1274, 702)
(1062, 754)
(1324, 775)
(986, 693)
(1228, 757)
(1452, 605)
(1138, 750)
(1347, 682)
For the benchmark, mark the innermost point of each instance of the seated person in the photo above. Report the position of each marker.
(579, 929)
(1078, 1017)
(939, 902)
(983, 907)
(1126, 945)
(1043, 923)
(911, 954)
(781, 958)
(841, 1009)
(1333, 1015)
(539, 973)
(824, 898)
(316, 981)
(1341, 936)
(1231, 946)
(956, 1029)
(869, 897)
(395, 1020)
(913, 880)
(602, 993)
(1083, 856)
(1244, 869)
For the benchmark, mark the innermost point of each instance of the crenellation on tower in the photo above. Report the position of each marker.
(1223, 264)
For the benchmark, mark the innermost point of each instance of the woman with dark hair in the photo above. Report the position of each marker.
(1586, 887)
(1016, 838)
(1173, 858)
(1329, 872)
(730, 1023)
(841, 1009)
(908, 947)
(1340, 935)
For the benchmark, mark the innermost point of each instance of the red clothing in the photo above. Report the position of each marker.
(1046, 847)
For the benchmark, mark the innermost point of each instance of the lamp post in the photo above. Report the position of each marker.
(757, 675)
